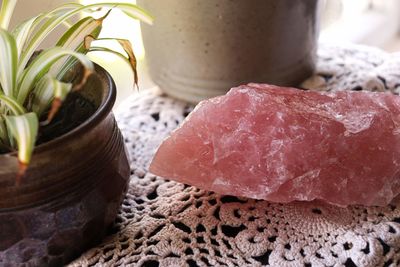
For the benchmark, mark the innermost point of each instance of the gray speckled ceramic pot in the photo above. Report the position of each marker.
(201, 48)
(72, 190)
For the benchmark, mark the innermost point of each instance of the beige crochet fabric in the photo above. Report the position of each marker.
(163, 223)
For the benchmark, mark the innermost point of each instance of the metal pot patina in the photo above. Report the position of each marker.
(72, 190)
(201, 48)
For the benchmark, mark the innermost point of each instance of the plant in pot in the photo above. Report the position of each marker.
(58, 198)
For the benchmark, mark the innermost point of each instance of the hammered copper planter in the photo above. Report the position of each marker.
(71, 192)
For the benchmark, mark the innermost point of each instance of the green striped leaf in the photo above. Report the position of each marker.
(57, 18)
(42, 63)
(42, 95)
(38, 32)
(8, 62)
(47, 89)
(25, 30)
(61, 90)
(50, 91)
(24, 129)
(12, 105)
(60, 93)
(74, 39)
(22, 31)
(7, 8)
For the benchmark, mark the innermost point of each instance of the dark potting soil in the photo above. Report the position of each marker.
(75, 110)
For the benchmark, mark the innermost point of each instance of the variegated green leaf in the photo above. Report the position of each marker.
(13, 106)
(8, 62)
(40, 66)
(61, 90)
(74, 39)
(42, 95)
(38, 31)
(26, 29)
(49, 90)
(22, 31)
(45, 91)
(57, 18)
(24, 129)
(7, 8)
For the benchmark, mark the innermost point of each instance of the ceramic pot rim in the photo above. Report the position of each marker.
(106, 105)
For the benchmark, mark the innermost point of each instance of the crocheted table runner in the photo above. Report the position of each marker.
(164, 223)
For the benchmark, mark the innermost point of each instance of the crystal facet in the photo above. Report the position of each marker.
(284, 144)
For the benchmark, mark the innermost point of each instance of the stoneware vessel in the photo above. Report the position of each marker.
(201, 48)
(72, 190)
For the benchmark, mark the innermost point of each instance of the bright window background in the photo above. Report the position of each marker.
(370, 22)
(119, 25)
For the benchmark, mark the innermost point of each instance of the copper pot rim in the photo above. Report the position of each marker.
(107, 103)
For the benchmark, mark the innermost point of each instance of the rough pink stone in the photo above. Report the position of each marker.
(284, 144)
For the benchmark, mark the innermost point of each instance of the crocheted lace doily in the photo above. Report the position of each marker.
(164, 223)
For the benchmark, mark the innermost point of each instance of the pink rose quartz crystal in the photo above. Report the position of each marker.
(284, 144)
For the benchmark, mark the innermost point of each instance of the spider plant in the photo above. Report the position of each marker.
(33, 87)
